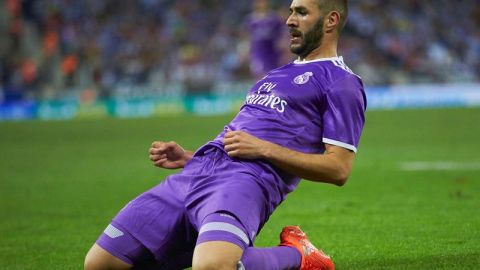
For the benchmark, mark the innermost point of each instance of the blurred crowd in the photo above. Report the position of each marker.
(414, 41)
(58, 48)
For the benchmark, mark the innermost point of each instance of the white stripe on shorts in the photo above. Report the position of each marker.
(240, 266)
(226, 227)
(112, 232)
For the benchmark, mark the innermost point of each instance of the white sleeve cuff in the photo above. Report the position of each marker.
(341, 144)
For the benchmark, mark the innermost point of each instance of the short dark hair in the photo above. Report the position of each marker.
(341, 6)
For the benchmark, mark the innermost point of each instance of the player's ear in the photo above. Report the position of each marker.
(332, 21)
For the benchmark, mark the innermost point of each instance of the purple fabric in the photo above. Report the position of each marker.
(220, 232)
(123, 245)
(166, 218)
(303, 105)
(271, 258)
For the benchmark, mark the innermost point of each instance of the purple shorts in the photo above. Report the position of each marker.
(214, 198)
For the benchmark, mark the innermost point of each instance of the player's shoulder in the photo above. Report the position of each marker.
(322, 72)
(281, 69)
(329, 70)
(334, 66)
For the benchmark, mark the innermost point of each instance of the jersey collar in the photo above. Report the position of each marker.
(337, 58)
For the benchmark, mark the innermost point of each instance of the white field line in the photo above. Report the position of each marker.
(440, 166)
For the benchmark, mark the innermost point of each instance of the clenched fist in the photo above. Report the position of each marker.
(169, 155)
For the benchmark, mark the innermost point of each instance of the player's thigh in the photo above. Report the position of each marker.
(99, 259)
(152, 227)
(158, 219)
(216, 255)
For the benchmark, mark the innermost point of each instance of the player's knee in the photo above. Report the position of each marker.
(93, 263)
(216, 255)
(99, 259)
(215, 263)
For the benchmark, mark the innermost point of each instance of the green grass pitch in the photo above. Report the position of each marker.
(61, 182)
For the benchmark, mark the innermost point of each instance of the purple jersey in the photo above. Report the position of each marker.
(264, 34)
(304, 105)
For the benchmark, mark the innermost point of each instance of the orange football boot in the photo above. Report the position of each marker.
(312, 257)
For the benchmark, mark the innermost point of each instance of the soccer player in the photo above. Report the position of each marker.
(302, 120)
(265, 28)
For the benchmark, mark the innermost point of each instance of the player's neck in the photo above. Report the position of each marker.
(325, 50)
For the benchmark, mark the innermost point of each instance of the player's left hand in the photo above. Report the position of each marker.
(240, 144)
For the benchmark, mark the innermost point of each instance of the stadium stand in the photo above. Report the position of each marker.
(50, 49)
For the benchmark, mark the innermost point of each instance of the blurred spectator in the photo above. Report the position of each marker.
(266, 32)
(58, 48)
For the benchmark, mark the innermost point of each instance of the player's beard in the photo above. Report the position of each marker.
(310, 40)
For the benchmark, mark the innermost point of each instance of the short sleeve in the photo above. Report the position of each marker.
(344, 115)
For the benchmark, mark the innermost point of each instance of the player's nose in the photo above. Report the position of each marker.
(291, 21)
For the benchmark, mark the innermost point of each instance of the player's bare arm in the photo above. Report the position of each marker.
(332, 167)
(169, 155)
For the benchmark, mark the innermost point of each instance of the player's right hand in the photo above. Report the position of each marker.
(168, 155)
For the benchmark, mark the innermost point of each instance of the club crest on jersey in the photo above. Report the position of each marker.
(303, 78)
